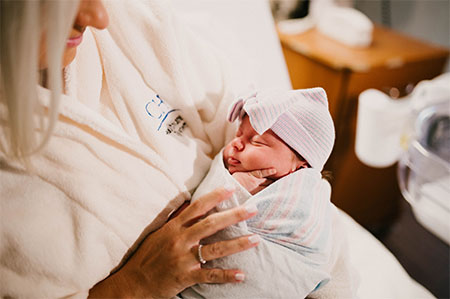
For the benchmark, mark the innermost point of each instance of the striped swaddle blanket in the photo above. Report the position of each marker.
(294, 221)
(295, 212)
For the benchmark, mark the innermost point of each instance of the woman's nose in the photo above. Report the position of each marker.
(92, 13)
(237, 144)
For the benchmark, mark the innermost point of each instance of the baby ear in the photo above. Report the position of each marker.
(299, 164)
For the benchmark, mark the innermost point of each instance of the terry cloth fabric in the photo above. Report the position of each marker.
(294, 221)
(299, 117)
(143, 117)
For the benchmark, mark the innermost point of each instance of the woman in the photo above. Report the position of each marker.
(97, 156)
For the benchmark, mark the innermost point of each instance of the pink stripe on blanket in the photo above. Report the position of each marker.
(289, 207)
(266, 216)
(277, 204)
(321, 214)
(299, 234)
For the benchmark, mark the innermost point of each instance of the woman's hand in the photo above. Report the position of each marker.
(167, 261)
(255, 181)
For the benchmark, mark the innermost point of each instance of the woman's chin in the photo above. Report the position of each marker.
(69, 56)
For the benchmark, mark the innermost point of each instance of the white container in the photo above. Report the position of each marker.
(424, 170)
(381, 122)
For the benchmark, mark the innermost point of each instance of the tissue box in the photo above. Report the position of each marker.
(346, 25)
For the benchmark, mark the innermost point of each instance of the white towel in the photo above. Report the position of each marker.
(294, 221)
(144, 114)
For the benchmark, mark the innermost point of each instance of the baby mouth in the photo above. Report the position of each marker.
(233, 161)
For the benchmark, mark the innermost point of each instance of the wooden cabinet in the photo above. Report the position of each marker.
(369, 195)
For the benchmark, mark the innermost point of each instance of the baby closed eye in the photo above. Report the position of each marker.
(257, 140)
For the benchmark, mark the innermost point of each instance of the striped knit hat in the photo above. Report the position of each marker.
(299, 117)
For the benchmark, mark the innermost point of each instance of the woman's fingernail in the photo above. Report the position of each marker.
(254, 239)
(239, 276)
(251, 208)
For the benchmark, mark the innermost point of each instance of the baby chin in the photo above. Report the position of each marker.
(228, 166)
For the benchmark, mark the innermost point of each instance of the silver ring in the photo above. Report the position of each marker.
(200, 257)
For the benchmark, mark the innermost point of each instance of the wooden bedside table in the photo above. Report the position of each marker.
(369, 195)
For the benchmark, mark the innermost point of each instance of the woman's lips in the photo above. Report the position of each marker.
(74, 41)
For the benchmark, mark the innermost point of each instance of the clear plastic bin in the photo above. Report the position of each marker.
(424, 170)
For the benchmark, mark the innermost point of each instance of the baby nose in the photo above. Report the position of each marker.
(238, 144)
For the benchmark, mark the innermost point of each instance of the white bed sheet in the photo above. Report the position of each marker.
(381, 275)
(245, 31)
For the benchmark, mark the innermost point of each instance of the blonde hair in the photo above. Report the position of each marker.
(22, 24)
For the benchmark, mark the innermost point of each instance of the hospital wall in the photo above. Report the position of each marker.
(426, 20)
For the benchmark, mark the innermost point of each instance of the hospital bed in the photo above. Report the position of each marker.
(244, 31)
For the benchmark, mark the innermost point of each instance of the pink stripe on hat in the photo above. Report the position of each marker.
(299, 117)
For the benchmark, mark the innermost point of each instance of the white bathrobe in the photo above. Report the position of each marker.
(143, 116)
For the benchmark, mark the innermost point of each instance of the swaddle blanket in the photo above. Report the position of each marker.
(294, 221)
(143, 116)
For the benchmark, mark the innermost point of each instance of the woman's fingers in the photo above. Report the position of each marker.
(204, 204)
(221, 249)
(215, 222)
(218, 276)
(224, 248)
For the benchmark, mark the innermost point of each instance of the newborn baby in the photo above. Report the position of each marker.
(256, 161)
(275, 162)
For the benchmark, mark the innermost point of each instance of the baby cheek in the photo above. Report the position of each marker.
(227, 150)
(284, 165)
(258, 160)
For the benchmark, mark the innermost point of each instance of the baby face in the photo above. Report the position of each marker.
(250, 151)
